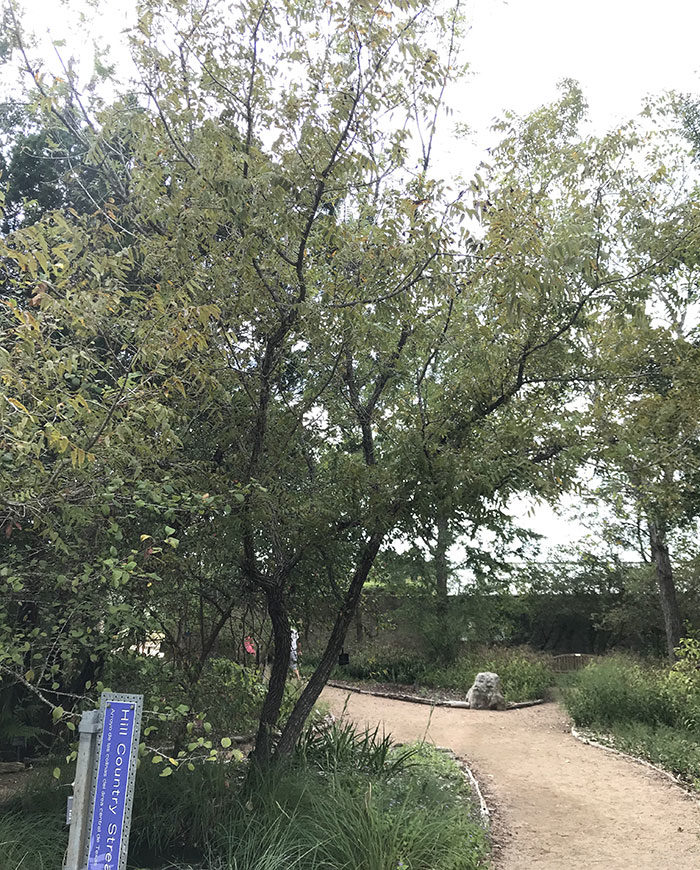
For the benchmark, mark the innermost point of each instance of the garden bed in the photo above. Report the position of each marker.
(641, 709)
(347, 798)
(419, 695)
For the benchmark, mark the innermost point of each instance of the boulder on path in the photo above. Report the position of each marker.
(486, 693)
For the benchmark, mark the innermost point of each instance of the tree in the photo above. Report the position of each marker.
(648, 458)
(645, 402)
(274, 344)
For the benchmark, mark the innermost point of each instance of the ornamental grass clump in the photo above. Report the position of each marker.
(420, 816)
(31, 842)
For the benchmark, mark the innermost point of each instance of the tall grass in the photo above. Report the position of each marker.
(342, 745)
(416, 817)
(347, 800)
(29, 842)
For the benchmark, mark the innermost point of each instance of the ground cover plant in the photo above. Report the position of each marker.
(643, 708)
(525, 675)
(31, 841)
(347, 799)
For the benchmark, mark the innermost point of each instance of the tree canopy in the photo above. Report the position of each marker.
(267, 338)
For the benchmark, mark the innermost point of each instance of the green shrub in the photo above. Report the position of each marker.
(620, 689)
(225, 693)
(231, 695)
(683, 684)
(384, 666)
(674, 749)
(525, 675)
(644, 709)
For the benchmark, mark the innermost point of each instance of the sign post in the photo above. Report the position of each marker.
(109, 742)
(79, 805)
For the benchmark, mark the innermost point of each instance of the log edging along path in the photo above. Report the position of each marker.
(419, 699)
(589, 741)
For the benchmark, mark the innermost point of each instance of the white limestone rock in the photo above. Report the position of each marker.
(486, 693)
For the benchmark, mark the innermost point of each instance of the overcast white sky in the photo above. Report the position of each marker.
(619, 50)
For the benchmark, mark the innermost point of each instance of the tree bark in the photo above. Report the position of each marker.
(304, 706)
(444, 642)
(278, 677)
(359, 628)
(666, 585)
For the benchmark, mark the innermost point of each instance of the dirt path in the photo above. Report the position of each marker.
(560, 805)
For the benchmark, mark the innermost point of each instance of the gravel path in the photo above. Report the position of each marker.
(558, 804)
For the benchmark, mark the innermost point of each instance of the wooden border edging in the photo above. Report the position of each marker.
(468, 773)
(689, 790)
(418, 699)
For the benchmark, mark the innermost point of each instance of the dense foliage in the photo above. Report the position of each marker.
(376, 806)
(250, 339)
(525, 676)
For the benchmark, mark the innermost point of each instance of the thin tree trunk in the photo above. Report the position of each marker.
(666, 585)
(359, 628)
(444, 640)
(304, 706)
(278, 677)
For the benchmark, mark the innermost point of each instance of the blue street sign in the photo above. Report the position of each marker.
(113, 787)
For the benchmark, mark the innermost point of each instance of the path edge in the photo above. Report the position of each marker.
(689, 790)
(484, 810)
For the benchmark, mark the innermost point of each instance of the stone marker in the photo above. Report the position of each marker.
(486, 693)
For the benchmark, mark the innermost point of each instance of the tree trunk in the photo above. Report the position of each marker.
(359, 628)
(667, 587)
(278, 677)
(444, 642)
(304, 706)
